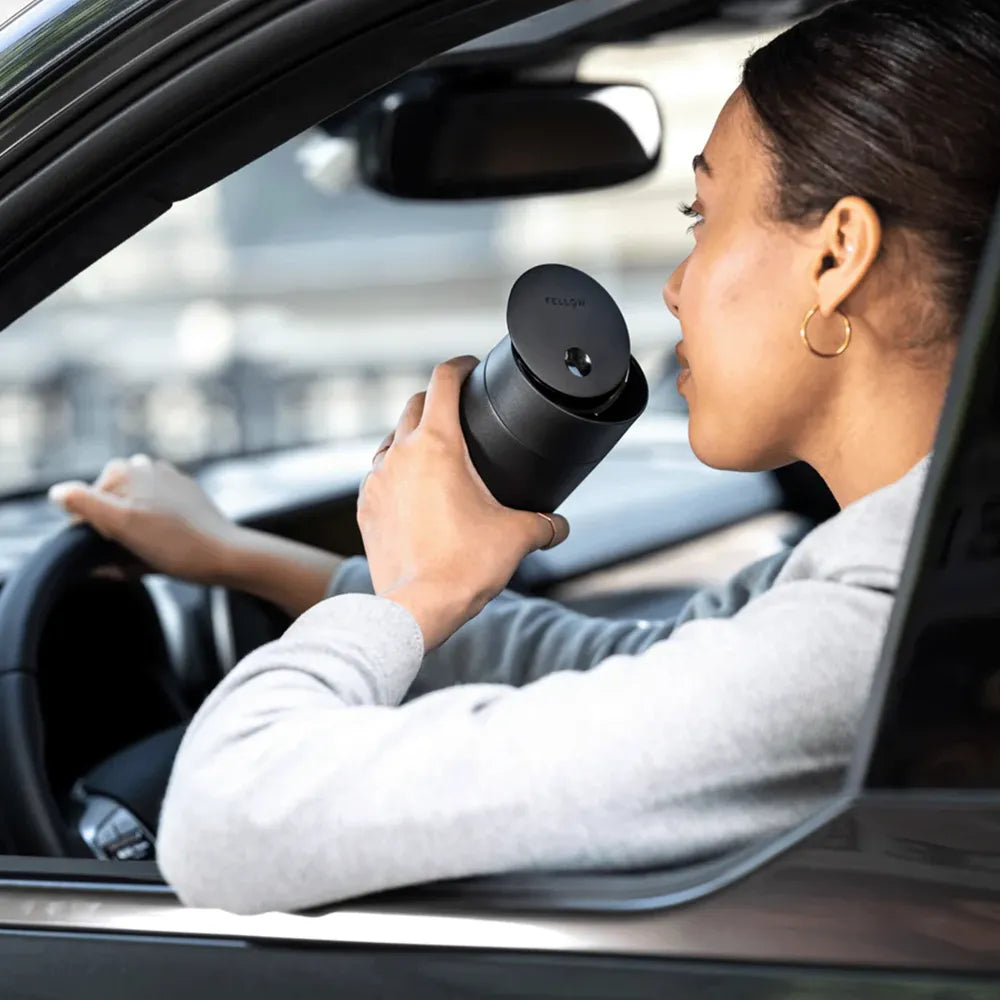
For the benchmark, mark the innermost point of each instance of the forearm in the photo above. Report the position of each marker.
(302, 781)
(515, 639)
(290, 574)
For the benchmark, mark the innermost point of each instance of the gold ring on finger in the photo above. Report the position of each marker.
(552, 525)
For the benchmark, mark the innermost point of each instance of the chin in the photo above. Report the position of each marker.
(727, 452)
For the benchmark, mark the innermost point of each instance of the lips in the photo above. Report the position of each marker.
(685, 373)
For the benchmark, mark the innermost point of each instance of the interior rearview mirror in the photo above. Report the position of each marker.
(448, 140)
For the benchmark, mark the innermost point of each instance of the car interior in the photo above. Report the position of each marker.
(101, 668)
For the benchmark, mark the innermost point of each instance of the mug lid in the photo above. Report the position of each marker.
(568, 331)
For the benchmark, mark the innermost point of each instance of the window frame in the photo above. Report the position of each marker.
(938, 558)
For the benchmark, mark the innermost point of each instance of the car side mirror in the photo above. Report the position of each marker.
(458, 140)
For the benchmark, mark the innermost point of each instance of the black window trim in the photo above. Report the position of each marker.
(965, 431)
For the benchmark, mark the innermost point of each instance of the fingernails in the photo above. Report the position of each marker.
(60, 491)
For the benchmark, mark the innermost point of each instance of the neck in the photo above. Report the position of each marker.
(881, 434)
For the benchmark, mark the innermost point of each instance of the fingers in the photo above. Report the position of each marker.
(441, 406)
(100, 508)
(101, 504)
(140, 470)
(411, 415)
(60, 491)
(119, 474)
(382, 449)
(546, 531)
(407, 423)
(114, 476)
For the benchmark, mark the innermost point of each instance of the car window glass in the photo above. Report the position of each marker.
(289, 305)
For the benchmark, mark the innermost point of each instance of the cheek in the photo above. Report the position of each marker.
(734, 311)
(737, 311)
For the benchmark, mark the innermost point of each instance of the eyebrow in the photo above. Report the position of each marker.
(700, 163)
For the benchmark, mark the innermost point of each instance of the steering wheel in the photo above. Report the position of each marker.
(112, 826)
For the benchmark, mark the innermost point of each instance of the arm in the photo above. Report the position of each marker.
(167, 520)
(516, 639)
(290, 574)
(302, 781)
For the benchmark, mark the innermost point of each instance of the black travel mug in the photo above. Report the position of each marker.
(542, 409)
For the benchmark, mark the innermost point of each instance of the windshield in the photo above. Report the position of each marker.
(288, 305)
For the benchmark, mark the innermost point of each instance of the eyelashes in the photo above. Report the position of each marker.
(692, 213)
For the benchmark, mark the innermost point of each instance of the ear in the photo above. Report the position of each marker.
(850, 240)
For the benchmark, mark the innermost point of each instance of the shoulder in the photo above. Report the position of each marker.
(866, 543)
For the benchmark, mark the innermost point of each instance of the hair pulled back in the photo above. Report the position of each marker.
(896, 102)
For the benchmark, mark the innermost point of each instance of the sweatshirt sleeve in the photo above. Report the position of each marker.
(302, 781)
(516, 639)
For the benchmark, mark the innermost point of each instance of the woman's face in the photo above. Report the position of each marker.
(752, 387)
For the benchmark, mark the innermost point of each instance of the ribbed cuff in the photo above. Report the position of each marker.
(367, 631)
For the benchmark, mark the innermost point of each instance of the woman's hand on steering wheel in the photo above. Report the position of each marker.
(172, 526)
(161, 515)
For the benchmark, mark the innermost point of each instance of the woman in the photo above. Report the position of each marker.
(841, 205)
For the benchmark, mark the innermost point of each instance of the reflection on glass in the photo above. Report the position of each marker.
(49, 30)
(288, 305)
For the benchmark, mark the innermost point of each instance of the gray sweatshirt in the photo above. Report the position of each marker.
(338, 760)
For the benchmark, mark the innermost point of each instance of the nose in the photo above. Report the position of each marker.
(672, 289)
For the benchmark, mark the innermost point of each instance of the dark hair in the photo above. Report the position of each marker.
(896, 102)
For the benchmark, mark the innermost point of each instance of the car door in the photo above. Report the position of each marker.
(850, 904)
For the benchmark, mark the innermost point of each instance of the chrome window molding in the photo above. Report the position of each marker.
(45, 34)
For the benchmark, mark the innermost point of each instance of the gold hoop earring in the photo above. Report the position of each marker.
(805, 335)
